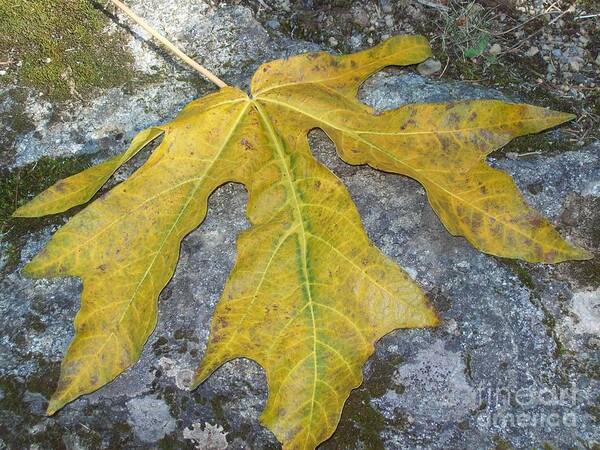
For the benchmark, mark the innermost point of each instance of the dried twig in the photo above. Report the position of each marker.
(433, 4)
(189, 61)
(539, 30)
(522, 24)
(587, 16)
(445, 67)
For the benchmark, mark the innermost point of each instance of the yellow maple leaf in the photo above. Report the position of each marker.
(309, 295)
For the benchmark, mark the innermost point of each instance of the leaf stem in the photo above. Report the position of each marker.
(189, 61)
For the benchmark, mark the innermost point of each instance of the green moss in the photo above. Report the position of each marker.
(360, 422)
(468, 370)
(591, 369)
(160, 346)
(501, 444)
(16, 414)
(62, 47)
(16, 122)
(216, 404)
(19, 186)
(520, 271)
(45, 379)
(594, 410)
(550, 323)
(171, 441)
(587, 273)
(121, 435)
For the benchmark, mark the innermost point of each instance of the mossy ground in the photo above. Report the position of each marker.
(520, 77)
(62, 50)
(21, 427)
(60, 47)
(361, 424)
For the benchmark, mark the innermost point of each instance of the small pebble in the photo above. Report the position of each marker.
(533, 50)
(48, 60)
(593, 343)
(361, 18)
(575, 66)
(273, 24)
(389, 21)
(333, 41)
(386, 6)
(429, 67)
(2, 73)
(495, 49)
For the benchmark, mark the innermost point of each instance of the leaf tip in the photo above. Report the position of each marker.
(567, 253)
(26, 271)
(35, 208)
(434, 319)
(23, 211)
(198, 378)
(581, 254)
(554, 118)
(53, 407)
(33, 269)
(563, 117)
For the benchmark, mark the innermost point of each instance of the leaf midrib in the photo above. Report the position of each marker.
(304, 244)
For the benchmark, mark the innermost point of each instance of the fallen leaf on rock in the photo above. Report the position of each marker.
(309, 294)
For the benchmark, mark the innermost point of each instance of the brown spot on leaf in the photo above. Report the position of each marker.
(246, 144)
(453, 119)
(60, 186)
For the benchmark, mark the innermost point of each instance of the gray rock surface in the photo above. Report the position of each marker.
(515, 361)
(150, 418)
